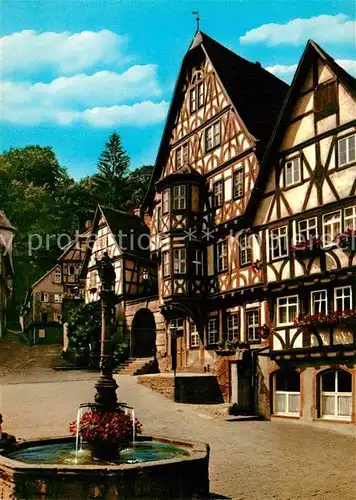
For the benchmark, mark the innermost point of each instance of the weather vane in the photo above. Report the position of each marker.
(196, 13)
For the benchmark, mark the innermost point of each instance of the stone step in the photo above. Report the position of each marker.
(243, 418)
(137, 366)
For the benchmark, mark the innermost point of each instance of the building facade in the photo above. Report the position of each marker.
(7, 232)
(42, 311)
(252, 221)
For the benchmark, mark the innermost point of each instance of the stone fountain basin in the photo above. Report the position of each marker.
(182, 477)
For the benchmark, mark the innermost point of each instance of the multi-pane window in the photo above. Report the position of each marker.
(307, 229)
(196, 97)
(233, 326)
(212, 136)
(182, 155)
(194, 335)
(343, 298)
(279, 242)
(253, 325)
(336, 395)
(165, 264)
(179, 260)
(238, 183)
(44, 297)
(179, 197)
(165, 201)
(222, 256)
(198, 262)
(347, 150)
(331, 227)
(350, 218)
(245, 249)
(287, 309)
(319, 302)
(218, 193)
(177, 324)
(57, 297)
(287, 393)
(292, 172)
(213, 332)
(57, 275)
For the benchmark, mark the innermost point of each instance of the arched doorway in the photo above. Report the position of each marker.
(143, 334)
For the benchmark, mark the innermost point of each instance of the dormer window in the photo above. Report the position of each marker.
(212, 136)
(196, 95)
(179, 197)
(182, 155)
(325, 100)
(292, 172)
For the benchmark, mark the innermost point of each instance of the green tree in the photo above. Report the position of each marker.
(137, 183)
(113, 166)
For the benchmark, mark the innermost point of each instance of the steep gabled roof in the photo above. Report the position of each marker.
(256, 94)
(311, 51)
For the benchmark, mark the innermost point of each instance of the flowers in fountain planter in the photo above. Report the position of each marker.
(257, 265)
(113, 427)
(306, 246)
(347, 240)
(311, 321)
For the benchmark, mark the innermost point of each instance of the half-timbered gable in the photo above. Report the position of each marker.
(125, 238)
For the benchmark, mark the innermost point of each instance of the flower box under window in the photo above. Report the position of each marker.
(313, 321)
(308, 248)
(347, 240)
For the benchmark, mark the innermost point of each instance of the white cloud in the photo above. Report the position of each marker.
(64, 53)
(286, 72)
(324, 29)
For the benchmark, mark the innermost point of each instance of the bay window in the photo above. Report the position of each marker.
(179, 197)
(179, 260)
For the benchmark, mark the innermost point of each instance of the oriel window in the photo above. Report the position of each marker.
(179, 261)
(179, 197)
(165, 264)
(198, 262)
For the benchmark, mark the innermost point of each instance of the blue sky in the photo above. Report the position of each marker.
(75, 70)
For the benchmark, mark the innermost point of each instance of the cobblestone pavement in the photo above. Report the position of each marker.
(249, 460)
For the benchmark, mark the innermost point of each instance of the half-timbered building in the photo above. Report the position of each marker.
(7, 232)
(42, 311)
(305, 220)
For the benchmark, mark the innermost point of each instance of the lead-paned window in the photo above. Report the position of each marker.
(343, 298)
(307, 229)
(350, 218)
(319, 302)
(292, 172)
(194, 335)
(222, 256)
(287, 309)
(218, 193)
(238, 183)
(279, 242)
(165, 264)
(165, 201)
(253, 325)
(331, 227)
(233, 326)
(245, 249)
(198, 262)
(212, 136)
(346, 149)
(213, 332)
(179, 197)
(179, 260)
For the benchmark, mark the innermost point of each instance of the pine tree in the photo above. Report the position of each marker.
(113, 167)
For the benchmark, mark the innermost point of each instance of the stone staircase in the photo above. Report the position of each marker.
(138, 366)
